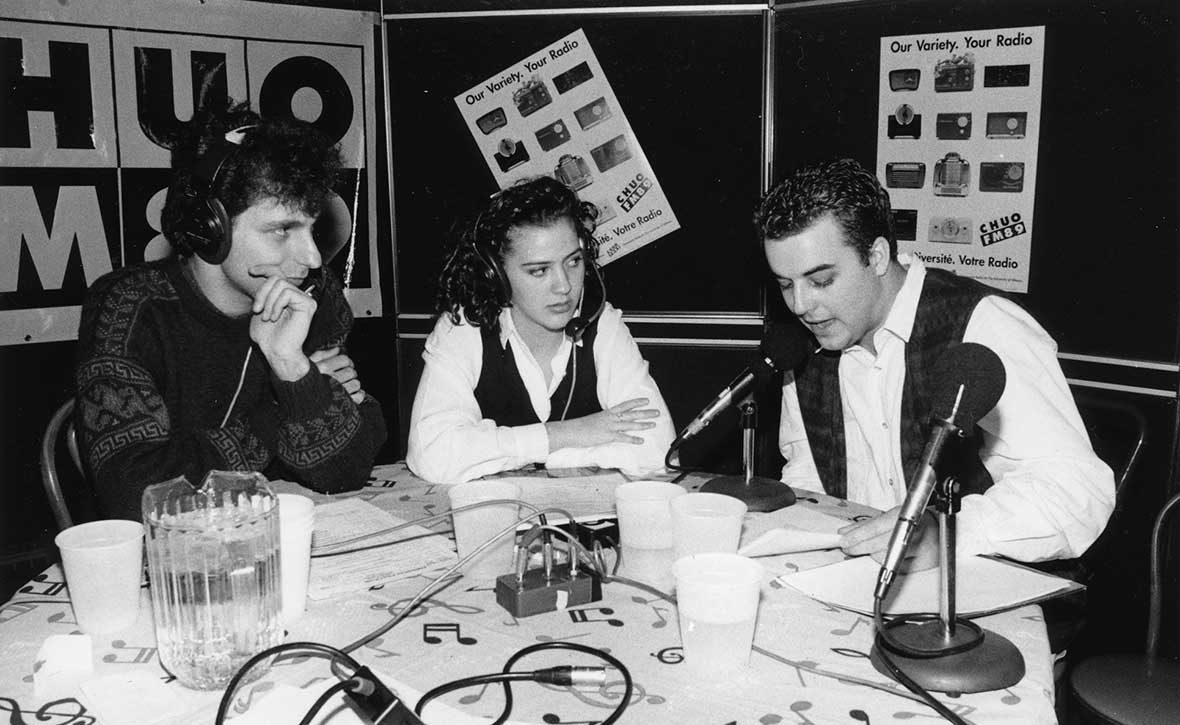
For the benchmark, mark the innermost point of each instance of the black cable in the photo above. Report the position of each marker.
(334, 654)
(506, 676)
(323, 700)
(896, 673)
(473, 681)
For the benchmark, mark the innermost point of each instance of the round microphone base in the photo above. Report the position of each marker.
(759, 493)
(993, 664)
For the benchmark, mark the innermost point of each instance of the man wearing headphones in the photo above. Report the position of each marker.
(528, 363)
(228, 355)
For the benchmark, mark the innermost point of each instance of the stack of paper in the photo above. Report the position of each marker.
(340, 565)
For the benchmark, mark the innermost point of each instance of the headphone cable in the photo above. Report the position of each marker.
(238, 390)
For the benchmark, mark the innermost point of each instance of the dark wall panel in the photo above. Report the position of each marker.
(1104, 255)
(691, 87)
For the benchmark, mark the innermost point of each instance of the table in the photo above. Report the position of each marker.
(810, 663)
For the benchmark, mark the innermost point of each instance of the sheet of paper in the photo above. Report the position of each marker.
(789, 540)
(586, 498)
(798, 518)
(984, 585)
(340, 565)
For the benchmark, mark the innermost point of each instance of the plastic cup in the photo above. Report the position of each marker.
(645, 514)
(103, 564)
(296, 524)
(478, 525)
(717, 602)
(706, 522)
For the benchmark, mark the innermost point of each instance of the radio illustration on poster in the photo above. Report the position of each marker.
(960, 116)
(555, 114)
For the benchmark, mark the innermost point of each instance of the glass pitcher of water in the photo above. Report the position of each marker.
(213, 564)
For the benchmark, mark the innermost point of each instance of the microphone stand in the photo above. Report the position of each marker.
(758, 492)
(947, 653)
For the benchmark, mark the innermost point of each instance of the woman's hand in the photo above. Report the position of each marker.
(616, 424)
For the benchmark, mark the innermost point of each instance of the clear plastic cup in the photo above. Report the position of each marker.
(103, 564)
(478, 525)
(717, 602)
(706, 522)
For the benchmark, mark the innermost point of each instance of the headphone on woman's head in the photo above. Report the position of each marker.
(203, 224)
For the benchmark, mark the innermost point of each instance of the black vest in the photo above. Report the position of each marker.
(503, 398)
(944, 308)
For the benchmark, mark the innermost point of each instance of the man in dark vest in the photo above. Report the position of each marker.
(856, 415)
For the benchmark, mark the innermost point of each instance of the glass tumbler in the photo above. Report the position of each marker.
(213, 564)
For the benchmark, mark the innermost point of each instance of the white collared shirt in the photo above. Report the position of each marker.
(451, 442)
(1051, 496)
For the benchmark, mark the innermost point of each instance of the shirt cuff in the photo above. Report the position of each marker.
(531, 442)
(305, 398)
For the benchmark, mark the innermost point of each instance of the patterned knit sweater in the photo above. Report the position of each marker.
(157, 369)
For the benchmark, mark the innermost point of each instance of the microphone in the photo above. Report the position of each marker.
(784, 346)
(968, 381)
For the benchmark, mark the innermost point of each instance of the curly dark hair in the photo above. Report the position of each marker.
(842, 188)
(471, 284)
(278, 158)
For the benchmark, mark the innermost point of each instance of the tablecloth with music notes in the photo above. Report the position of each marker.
(810, 662)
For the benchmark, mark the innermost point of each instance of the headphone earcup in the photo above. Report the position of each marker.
(206, 229)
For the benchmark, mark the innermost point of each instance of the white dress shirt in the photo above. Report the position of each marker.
(451, 442)
(1051, 496)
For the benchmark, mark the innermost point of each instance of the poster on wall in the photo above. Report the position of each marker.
(960, 116)
(554, 113)
(93, 95)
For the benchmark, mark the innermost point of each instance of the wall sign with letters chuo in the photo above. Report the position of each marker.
(94, 95)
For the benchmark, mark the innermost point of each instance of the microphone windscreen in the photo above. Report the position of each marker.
(980, 373)
(786, 344)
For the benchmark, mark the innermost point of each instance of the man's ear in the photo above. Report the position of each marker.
(879, 255)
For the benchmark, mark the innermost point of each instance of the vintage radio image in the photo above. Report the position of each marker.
(611, 154)
(553, 135)
(953, 126)
(606, 211)
(573, 77)
(510, 153)
(531, 97)
(905, 174)
(955, 74)
(952, 229)
(952, 175)
(493, 119)
(1005, 76)
(593, 113)
(905, 224)
(904, 79)
(573, 171)
(1009, 124)
(1001, 176)
(904, 123)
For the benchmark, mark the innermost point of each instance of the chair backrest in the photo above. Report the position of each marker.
(61, 426)
(1157, 575)
(1117, 431)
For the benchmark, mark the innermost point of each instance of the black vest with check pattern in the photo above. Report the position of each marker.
(944, 308)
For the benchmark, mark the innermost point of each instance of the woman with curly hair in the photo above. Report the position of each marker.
(528, 363)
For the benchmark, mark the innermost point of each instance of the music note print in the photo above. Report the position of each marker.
(382, 653)
(471, 699)
(12, 610)
(1011, 698)
(51, 587)
(429, 637)
(799, 707)
(860, 716)
(132, 655)
(670, 655)
(845, 632)
(69, 710)
(579, 616)
(770, 718)
(425, 606)
(547, 638)
(552, 719)
(660, 612)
